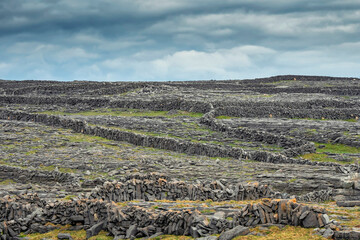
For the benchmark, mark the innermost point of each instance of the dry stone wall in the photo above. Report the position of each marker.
(328, 109)
(171, 144)
(30, 214)
(280, 112)
(23, 175)
(162, 189)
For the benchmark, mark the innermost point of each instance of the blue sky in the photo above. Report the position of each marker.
(108, 40)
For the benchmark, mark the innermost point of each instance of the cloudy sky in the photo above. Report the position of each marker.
(177, 39)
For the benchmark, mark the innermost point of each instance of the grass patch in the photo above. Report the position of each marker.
(76, 235)
(224, 117)
(321, 156)
(78, 137)
(292, 180)
(336, 148)
(7, 182)
(172, 237)
(318, 157)
(286, 233)
(351, 120)
(69, 197)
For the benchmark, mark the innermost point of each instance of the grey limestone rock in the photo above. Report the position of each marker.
(328, 233)
(310, 221)
(64, 236)
(94, 230)
(237, 231)
(131, 231)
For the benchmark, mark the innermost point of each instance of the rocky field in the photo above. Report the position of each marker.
(271, 158)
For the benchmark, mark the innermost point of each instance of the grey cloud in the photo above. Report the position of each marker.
(67, 39)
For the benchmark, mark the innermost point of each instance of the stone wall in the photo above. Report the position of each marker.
(172, 144)
(247, 134)
(328, 109)
(22, 175)
(162, 189)
(280, 112)
(30, 214)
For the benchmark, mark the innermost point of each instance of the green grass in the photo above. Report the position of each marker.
(78, 137)
(69, 197)
(336, 148)
(351, 120)
(292, 180)
(286, 233)
(318, 157)
(76, 235)
(224, 117)
(321, 156)
(7, 182)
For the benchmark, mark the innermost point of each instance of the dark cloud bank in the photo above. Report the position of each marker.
(177, 40)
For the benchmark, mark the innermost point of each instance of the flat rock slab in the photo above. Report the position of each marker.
(237, 231)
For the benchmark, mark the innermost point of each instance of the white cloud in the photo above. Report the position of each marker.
(223, 63)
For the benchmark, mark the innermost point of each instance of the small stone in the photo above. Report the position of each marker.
(64, 236)
(219, 215)
(332, 226)
(328, 233)
(325, 219)
(77, 218)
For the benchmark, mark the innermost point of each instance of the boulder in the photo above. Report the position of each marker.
(310, 221)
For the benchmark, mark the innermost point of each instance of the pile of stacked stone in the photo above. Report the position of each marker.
(162, 189)
(29, 214)
(284, 211)
(316, 196)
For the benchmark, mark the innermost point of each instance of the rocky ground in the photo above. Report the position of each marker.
(299, 135)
